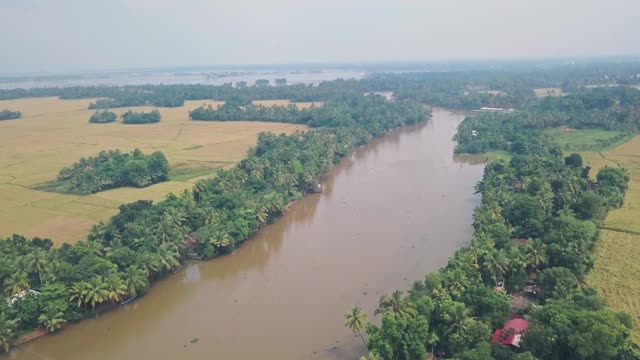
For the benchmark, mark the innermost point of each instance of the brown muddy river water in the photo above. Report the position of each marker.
(390, 213)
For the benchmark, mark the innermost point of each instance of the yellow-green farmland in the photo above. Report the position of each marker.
(54, 133)
(617, 268)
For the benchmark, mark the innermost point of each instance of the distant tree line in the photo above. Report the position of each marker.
(344, 110)
(9, 115)
(609, 108)
(113, 169)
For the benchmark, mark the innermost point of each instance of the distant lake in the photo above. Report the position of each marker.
(157, 77)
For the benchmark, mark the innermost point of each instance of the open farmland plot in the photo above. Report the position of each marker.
(543, 92)
(617, 268)
(54, 133)
(585, 139)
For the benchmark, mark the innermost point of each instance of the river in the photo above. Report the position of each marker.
(390, 213)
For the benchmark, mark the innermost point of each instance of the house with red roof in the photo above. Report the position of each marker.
(511, 333)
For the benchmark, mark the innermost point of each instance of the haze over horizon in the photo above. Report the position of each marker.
(77, 35)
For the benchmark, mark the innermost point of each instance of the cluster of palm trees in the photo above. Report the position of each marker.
(38, 262)
(99, 290)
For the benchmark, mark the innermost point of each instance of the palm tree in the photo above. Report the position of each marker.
(220, 239)
(97, 292)
(116, 288)
(37, 262)
(7, 331)
(372, 356)
(168, 256)
(457, 318)
(78, 292)
(417, 290)
(496, 264)
(16, 283)
(537, 252)
(149, 263)
(52, 319)
(455, 281)
(355, 320)
(135, 280)
(397, 305)
(51, 272)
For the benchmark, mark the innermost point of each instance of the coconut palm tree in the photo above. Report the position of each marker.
(52, 319)
(116, 288)
(149, 263)
(37, 262)
(355, 320)
(537, 252)
(396, 304)
(372, 356)
(16, 283)
(496, 264)
(457, 318)
(417, 290)
(168, 257)
(135, 280)
(78, 292)
(220, 239)
(7, 331)
(97, 292)
(51, 271)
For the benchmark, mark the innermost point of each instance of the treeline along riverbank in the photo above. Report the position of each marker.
(145, 241)
(534, 237)
(536, 225)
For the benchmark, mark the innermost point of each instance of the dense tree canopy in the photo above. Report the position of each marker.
(9, 115)
(537, 217)
(145, 241)
(457, 307)
(103, 117)
(132, 117)
(112, 169)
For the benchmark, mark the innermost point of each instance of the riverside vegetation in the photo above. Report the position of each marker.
(146, 241)
(538, 195)
(538, 219)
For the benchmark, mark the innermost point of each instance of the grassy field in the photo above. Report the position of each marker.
(584, 139)
(544, 92)
(617, 271)
(54, 133)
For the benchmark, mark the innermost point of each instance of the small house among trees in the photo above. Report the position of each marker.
(511, 333)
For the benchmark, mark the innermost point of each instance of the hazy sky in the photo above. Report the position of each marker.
(72, 35)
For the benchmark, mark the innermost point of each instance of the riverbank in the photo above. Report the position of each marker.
(262, 292)
(146, 241)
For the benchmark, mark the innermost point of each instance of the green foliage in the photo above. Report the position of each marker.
(103, 117)
(146, 241)
(600, 109)
(353, 111)
(131, 117)
(399, 338)
(536, 219)
(612, 184)
(7, 330)
(557, 283)
(113, 169)
(10, 115)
